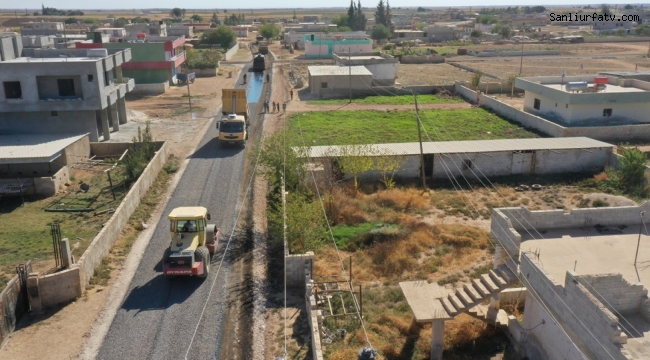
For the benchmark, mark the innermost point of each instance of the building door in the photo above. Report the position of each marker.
(522, 162)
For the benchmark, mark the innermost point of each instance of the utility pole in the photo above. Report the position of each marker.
(187, 80)
(417, 115)
(638, 242)
(521, 62)
(350, 70)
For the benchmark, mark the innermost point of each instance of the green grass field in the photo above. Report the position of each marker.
(389, 100)
(370, 127)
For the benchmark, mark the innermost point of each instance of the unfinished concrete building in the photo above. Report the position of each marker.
(585, 271)
(67, 91)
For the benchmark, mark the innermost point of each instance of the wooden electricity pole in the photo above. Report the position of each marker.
(417, 115)
(187, 80)
(638, 242)
(521, 61)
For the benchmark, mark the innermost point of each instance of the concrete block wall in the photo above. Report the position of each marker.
(502, 229)
(591, 323)
(296, 264)
(615, 292)
(153, 89)
(102, 243)
(523, 219)
(614, 134)
(313, 316)
(231, 52)
(59, 288)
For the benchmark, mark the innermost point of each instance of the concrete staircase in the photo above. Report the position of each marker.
(471, 295)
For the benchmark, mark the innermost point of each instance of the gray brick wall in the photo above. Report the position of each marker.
(592, 323)
(296, 266)
(615, 292)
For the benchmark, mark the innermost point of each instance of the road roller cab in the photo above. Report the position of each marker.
(193, 241)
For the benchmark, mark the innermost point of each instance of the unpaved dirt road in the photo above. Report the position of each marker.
(188, 317)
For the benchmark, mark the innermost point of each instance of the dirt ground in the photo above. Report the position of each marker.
(60, 333)
(505, 67)
(430, 74)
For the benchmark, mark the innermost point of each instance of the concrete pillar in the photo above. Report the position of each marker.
(103, 113)
(112, 114)
(500, 255)
(67, 255)
(437, 339)
(118, 73)
(121, 109)
(34, 294)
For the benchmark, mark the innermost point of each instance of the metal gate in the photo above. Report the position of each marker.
(55, 230)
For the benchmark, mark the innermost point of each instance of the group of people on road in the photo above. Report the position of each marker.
(276, 106)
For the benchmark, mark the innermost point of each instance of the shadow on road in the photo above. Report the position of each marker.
(212, 150)
(161, 293)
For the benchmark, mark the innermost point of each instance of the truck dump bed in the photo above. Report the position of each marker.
(234, 102)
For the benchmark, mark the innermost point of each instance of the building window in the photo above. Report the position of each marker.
(13, 90)
(323, 85)
(91, 78)
(54, 113)
(467, 164)
(607, 112)
(66, 87)
(536, 104)
(107, 80)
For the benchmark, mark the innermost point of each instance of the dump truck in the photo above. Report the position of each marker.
(263, 48)
(193, 241)
(258, 63)
(233, 126)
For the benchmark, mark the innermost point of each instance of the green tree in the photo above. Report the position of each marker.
(221, 35)
(120, 22)
(176, 12)
(360, 19)
(496, 29)
(476, 79)
(269, 31)
(628, 7)
(352, 13)
(305, 223)
(380, 14)
(215, 19)
(505, 32)
(389, 18)
(630, 175)
(71, 20)
(356, 160)
(621, 32)
(421, 9)
(341, 21)
(91, 21)
(476, 33)
(643, 30)
(197, 18)
(604, 8)
(343, 28)
(277, 157)
(387, 163)
(380, 32)
(202, 59)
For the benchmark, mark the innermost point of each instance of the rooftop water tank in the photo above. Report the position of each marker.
(577, 86)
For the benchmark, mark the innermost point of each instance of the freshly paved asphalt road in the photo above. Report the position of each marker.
(158, 316)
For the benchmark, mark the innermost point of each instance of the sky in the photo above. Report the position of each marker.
(253, 4)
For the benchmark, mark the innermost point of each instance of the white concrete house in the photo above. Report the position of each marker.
(382, 66)
(621, 101)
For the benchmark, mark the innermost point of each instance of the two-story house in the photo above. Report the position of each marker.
(71, 91)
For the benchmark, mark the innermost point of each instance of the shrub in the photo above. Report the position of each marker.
(171, 167)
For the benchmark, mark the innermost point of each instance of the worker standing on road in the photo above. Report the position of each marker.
(266, 106)
(244, 78)
(291, 92)
(284, 107)
(273, 106)
(268, 77)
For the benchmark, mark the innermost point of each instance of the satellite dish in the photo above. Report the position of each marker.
(84, 187)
